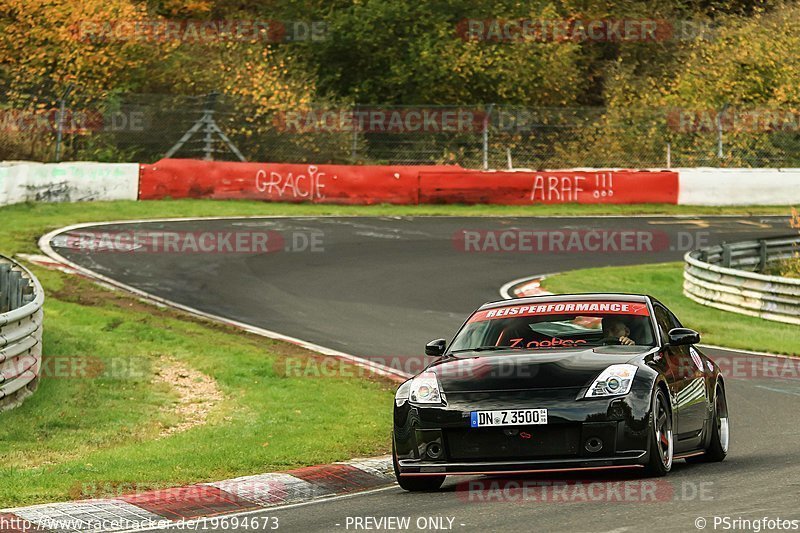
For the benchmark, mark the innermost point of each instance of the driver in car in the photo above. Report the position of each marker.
(616, 331)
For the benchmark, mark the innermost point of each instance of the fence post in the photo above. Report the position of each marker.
(762, 255)
(354, 149)
(62, 104)
(15, 290)
(726, 255)
(5, 271)
(208, 119)
(486, 122)
(720, 153)
(669, 156)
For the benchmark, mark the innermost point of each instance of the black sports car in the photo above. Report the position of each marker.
(552, 383)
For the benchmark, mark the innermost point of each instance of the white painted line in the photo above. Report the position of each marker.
(775, 389)
(44, 245)
(747, 352)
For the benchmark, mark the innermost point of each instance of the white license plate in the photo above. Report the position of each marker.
(508, 417)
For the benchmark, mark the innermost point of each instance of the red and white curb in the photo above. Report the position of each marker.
(524, 287)
(163, 508)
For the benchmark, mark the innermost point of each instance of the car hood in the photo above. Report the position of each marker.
(539, 369)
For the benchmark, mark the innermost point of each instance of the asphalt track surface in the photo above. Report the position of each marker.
(382, 287)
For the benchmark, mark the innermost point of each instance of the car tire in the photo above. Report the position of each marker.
(661, 439)
(415, 483)
(720, 432)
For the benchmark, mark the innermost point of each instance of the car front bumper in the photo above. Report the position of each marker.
(580, 434)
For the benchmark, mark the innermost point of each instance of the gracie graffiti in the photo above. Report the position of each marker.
(308, 185)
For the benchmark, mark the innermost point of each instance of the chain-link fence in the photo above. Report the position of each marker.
(146, 127)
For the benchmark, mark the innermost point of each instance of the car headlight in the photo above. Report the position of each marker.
(401, 396)
(425, 389)
(613, 381)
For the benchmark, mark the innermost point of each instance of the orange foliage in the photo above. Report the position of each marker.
(44, 45)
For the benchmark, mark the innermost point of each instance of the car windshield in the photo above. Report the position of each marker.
(556, 325)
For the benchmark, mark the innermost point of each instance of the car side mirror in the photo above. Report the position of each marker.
(683, 336)
(436, 348)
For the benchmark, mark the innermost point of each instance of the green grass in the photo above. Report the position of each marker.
(664, 281)
(79, 433)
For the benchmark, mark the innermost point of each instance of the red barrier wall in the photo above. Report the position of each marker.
(543, 187)
(344, 184)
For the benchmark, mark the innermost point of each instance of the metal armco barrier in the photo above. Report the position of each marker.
(21, 322)
(728, 277)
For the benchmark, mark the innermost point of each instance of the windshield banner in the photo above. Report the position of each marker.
(560, 308)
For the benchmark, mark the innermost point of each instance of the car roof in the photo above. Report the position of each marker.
(590, 297)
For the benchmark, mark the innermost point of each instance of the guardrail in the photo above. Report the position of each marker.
(21, 323)
(728, 277)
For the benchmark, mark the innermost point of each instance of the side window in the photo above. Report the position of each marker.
(675, 322)
(664, 322)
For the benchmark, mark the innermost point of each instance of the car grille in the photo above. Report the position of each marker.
(523, 442)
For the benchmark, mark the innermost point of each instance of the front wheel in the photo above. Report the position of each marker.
(720, 432)
(661, 445)
(415, 483)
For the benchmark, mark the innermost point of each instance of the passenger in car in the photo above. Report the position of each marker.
(615, 331)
